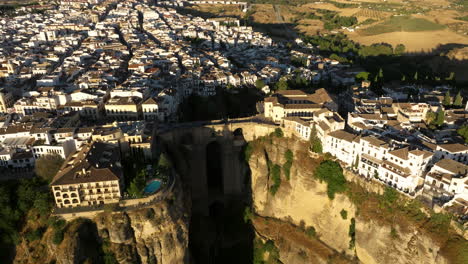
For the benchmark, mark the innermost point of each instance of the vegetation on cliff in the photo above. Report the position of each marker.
(388, 208)
(265, 252)
(289, 157)
(331, 172)
(394, 209)
(275, 175)
(315, 143)
(17, 198)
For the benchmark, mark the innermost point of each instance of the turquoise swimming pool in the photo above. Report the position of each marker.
(152, 187)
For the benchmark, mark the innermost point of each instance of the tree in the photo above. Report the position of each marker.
(137, 184)
(458, 100)
(362, 76)
(282, 85)
(463, 131)
(440, 118)
(380, 74)
(43, 202)
(356, 162)
(47, 166)
(415, 77)
(400, 49)
(451, 77)
(447, 99)
(259, 84)
(164, 161)
(315, 143)
(430, 117)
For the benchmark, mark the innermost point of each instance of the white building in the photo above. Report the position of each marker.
(447, 178)
(403, 168)
(342, 145)
(63, 149)
(457, 152)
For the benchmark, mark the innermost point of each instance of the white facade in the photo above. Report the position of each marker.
(63, 150)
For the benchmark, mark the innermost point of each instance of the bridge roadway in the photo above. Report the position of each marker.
(258, 119)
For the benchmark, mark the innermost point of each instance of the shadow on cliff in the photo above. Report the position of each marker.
(218, 232)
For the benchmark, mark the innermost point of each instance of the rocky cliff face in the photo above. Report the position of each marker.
(156, 233)
(303, 202)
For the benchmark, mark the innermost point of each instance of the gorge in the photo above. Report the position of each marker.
(223, 210)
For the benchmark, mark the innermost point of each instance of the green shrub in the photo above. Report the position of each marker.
(389, 198)
(344, 214)
(35, 234)
(56, 222)
(278, 133)
(57, 237)
(289, 156)
(275, 173)
(150, 213)
(248, 214)
(332, 173)
(261, 248)
(248, 152)
(439, 223)
(393, 233)
(310, 232)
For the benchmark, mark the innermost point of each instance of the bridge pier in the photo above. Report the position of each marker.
(232, 183)
(198, 177)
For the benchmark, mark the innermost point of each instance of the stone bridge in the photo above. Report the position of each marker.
(209, 155)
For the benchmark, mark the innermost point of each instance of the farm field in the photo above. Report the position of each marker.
(401, 23)
(378, 21)
(414, 41)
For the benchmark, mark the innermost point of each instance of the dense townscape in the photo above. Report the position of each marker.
(91, 82)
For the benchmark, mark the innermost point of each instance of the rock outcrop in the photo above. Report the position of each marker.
(154, 233)
(302, 201)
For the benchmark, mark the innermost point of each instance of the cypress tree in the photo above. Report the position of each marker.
(458, 100)
(447, 99)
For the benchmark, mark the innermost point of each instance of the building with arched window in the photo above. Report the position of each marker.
(91, 176)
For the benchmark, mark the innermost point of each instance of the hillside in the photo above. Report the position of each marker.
(418, 27)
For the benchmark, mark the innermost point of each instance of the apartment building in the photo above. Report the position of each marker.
(6, 100)
(63, 149)
(403, 168)
(342, 145)
(371, 153)
(446, 179)
(456, 151)
(91, 176)
(123, 108)
(296, 103)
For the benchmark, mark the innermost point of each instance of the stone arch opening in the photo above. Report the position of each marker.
(238, 133)
(214, 169)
